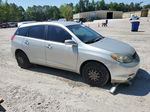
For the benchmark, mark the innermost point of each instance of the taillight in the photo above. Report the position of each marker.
(12, 37)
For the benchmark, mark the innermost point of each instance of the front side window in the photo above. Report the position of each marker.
(84, 33)
(57, 34)
(37, 32)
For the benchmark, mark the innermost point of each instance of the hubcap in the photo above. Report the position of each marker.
(94, 75)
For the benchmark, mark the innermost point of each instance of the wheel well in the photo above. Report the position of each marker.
(19, 50)
(97, 62)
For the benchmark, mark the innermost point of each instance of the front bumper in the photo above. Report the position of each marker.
(123, 73)
(125, 76)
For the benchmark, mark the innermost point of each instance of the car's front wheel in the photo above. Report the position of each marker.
(23, 60)
(95, 74)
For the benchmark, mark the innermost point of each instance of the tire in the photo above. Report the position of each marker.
(95, 74)
(22, 60)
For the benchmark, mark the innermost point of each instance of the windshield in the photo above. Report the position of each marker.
(85, 34)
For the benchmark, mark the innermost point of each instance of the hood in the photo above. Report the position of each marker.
(114, 46)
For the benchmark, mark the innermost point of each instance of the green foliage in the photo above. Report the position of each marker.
(146, 6)
(12, 12)
(85, 5)
(66, 11)
(93, 5)
(42, 13)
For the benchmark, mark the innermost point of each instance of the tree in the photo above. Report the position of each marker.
(93, 5)
(34, 13)
(102, 5)
(42, 13)
(147, 6)
(66, 11)
(21, 13)
(87, 4)
(132, 6)
(76, 8)
(55, 13)
(82, 6)
(137, 6)
(12, 12)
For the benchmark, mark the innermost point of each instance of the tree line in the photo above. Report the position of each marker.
(13, 13)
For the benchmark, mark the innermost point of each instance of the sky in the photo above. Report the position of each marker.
(26, 3)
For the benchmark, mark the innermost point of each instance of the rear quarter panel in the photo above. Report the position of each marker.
(16, 43)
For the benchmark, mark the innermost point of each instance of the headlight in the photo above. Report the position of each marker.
(122, 58)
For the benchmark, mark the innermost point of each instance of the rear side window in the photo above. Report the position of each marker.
(22, 31)
(37, 32)
(57, 34)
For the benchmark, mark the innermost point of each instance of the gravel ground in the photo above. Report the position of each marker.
(43, 89)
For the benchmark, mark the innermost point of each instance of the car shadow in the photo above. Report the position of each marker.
(57, 72)
(2, 109)
(140, 85)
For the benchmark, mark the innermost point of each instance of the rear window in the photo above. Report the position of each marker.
(22, 31)
(37, 32)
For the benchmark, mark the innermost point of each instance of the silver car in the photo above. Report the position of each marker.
(77, 48)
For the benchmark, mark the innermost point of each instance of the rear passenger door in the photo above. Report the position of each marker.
(58, 54)
(34, 44)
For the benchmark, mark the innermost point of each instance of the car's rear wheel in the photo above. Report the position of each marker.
(95, 74)
(23, 60)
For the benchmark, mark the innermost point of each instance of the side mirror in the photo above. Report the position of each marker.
(70, 42)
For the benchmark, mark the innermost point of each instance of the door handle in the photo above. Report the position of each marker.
(49, 46)
(26, 42)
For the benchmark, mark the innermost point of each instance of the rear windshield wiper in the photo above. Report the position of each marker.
(94, 40)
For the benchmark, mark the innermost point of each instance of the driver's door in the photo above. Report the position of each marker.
(59, 54)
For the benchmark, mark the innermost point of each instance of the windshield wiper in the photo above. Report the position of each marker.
(94, 40)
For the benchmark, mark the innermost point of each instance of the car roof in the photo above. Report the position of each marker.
(63, 23)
